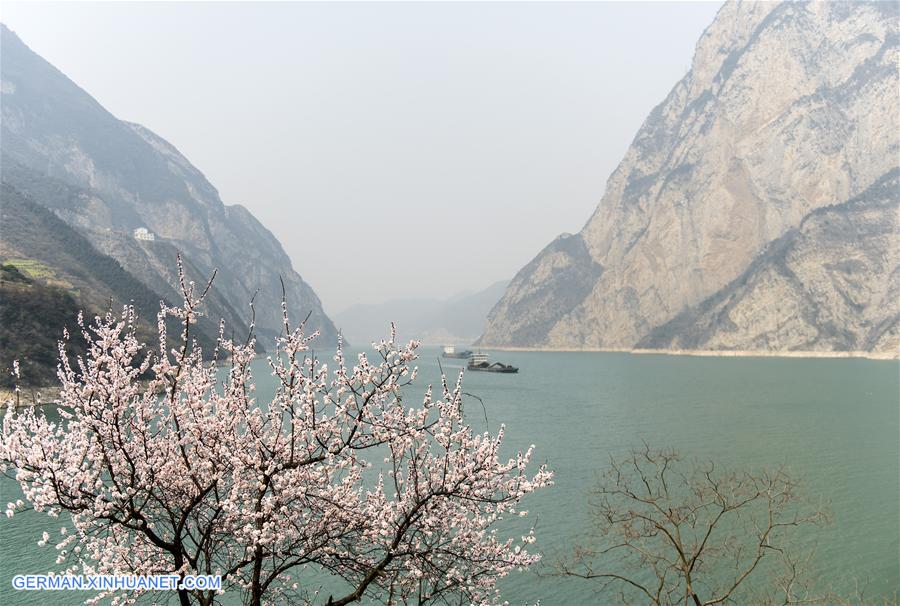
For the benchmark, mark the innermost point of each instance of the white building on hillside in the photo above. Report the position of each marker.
(142, 233)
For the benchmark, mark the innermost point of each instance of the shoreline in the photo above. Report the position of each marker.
(34, 397)
(43, 396)
(31, 397)
(711, 353)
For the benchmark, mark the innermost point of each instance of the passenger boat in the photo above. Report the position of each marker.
(450, 352)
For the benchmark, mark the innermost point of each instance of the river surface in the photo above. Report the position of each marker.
(835, 423)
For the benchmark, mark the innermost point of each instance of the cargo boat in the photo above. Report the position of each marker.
(479, 362)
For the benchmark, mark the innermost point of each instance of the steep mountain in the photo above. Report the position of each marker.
(50, 264)
(46, 248)
(31, 230)
(457, 320)
(121, 177)
(788, 108)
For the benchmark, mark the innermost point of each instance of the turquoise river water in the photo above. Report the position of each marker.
(834, 422)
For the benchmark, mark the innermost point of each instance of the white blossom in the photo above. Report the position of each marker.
(164, 467)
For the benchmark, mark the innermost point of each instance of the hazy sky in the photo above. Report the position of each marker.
(395, 149)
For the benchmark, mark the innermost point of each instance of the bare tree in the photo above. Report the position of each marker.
(669, 531)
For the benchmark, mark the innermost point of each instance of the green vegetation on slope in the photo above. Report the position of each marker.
(45, 247)
(52, 272)
(32, 317)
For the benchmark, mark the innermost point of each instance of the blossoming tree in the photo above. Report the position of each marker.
(166, 467)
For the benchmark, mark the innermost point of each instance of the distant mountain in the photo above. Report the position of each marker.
(107, 178)
(756, 207)
(458, 320)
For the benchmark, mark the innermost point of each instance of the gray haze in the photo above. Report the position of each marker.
(397, 150)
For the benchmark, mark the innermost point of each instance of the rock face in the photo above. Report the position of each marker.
(41, 244)
(832, 283)
(788, 109)
(50, 273)
(125, 177)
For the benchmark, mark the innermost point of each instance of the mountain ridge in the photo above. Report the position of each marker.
(787, 107)
(133, 178)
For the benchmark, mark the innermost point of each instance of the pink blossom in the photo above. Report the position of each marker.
(164, 467)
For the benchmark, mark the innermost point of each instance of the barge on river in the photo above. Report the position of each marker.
(479, 362)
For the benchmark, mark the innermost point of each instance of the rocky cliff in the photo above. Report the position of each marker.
(788, 108)
(125, 177)
(832, 283)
